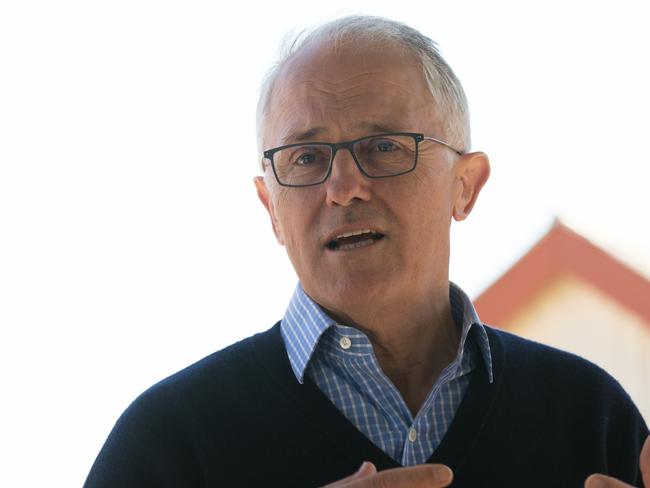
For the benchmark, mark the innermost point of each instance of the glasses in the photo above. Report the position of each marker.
(376, 156)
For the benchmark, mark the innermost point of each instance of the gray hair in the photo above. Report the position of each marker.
(361, 30)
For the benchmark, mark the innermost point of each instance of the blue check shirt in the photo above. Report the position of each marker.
(341, 362)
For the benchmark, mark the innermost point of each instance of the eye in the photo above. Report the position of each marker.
(385, 146)
(305, 159)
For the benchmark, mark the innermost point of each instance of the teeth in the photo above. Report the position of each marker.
(356, 244)
(355, 233)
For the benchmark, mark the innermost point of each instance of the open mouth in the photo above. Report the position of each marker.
(354, 240)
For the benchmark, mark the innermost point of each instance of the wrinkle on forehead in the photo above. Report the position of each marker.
(307, 79)
(316, 100)
(319, 79)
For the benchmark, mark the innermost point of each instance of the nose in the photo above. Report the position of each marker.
(346, 183)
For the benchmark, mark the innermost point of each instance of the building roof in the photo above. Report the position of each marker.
(562, 250)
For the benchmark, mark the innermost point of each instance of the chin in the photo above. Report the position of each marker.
(347, 294)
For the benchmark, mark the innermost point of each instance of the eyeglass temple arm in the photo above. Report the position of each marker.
(457, 151)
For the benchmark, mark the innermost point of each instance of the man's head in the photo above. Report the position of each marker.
(350, 79)
(363, 31)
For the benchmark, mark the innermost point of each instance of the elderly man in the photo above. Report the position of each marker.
(380, 372)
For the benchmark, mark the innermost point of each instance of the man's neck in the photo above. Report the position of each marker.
(413, 342)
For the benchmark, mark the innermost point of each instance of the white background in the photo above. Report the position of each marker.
(131, 239)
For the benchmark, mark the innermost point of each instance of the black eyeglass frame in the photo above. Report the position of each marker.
(334, 147)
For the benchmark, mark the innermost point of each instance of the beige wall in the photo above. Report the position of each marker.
(575, 316)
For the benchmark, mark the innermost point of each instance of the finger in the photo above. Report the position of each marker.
(602, 481)
(422, 476)
(645, 462)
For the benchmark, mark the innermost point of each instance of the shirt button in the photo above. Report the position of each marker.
(413, 435)
(345, 342)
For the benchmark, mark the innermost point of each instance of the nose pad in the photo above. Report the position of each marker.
(344, 162)
(346, 182)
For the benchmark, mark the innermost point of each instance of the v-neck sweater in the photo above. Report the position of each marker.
(341, 361)
(240, 418)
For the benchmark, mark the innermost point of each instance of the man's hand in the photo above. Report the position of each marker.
(421, 476)
(602, 481)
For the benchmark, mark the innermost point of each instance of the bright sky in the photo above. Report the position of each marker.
(131, 239)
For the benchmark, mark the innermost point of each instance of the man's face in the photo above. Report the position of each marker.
(323, 95)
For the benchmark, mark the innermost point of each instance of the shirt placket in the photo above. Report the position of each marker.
(355, 349)
(418, 443)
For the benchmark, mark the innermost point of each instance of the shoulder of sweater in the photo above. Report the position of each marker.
(218, 374)
(542, 364)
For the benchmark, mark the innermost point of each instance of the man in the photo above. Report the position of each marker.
(380, 373)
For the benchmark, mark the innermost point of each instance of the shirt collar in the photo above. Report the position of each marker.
(464, 313)
(305, 322)
(302, 326)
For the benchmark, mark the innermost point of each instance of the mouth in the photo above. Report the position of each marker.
(354, 240)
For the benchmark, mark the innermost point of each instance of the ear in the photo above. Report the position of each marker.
(473, 170)
(265, 197)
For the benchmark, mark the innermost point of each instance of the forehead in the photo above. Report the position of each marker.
(348, 92)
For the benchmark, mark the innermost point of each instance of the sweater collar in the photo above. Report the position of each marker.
(305, 322)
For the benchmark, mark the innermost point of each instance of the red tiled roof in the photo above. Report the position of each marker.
(562, 250)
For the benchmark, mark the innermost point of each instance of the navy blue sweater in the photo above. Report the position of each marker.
(240, 418)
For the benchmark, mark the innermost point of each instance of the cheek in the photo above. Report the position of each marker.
(296, 220)
(282, 206)
(431, 193)
(427, 207)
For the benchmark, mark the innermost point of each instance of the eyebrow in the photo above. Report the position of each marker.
(314, 132)
(300, 136)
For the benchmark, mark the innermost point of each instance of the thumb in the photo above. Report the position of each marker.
(366, 469)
